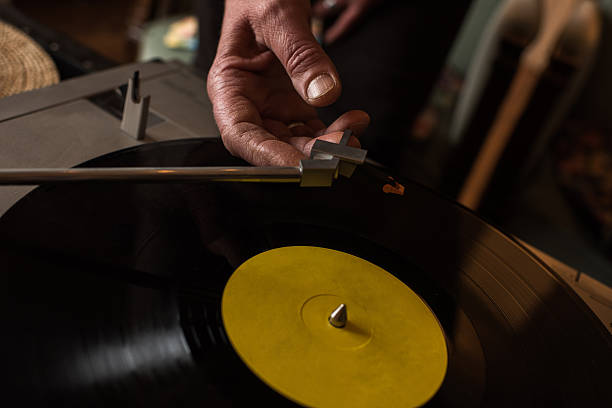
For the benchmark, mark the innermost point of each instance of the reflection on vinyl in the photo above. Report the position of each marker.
(112, 295)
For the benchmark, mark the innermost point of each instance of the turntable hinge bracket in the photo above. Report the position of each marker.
(327, 160)
(135, 109)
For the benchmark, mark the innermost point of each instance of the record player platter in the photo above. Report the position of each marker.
(113, 294)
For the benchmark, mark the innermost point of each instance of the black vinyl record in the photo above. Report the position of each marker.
(111, 291)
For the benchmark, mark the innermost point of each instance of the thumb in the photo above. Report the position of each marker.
(312, 72)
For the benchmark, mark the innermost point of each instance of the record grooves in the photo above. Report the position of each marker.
(113, 297)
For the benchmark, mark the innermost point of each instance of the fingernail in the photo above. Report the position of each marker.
(320, 86)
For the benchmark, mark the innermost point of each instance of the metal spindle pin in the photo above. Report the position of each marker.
(338, 317)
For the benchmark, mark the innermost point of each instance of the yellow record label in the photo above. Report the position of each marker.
(390, 352)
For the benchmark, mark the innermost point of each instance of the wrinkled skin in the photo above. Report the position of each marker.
(260, 84)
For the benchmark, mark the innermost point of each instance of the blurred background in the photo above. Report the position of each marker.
(551, 185)
(89, 35)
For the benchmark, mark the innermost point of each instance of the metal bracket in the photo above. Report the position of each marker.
(327, 160)
(135, 109)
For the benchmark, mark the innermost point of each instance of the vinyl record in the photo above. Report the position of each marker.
(112, 292)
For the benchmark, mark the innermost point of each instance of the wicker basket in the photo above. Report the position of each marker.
(24, 65)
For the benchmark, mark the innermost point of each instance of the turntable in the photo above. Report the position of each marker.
(372, 292)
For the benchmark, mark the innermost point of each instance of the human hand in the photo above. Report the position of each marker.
(349, 13)
(267, 77)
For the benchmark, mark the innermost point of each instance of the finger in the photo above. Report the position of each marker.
(357, 121)
(311, 71)
(333, 137)
(349, 17)
(298, 142)
(259, 147)
(301, 129)
(327, 8)
(277, 128)
(304, 144)
(316, 124)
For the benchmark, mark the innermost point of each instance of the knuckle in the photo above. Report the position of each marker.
(232, 140)
(302, 56)
(227, 142)
(241, 140)
(221, 77)
(219, 67)
(249, 143)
